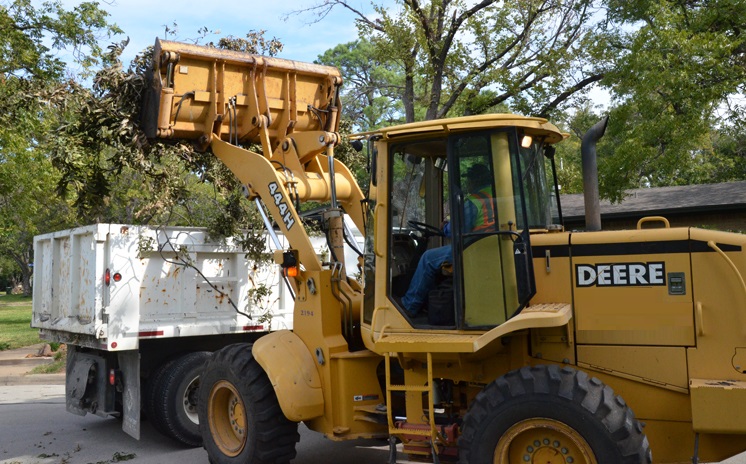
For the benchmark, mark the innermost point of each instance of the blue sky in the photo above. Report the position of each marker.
(144, 20)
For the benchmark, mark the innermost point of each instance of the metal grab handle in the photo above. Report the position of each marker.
(375, 230)
(373, 320)
(700, 319)
(653, 219)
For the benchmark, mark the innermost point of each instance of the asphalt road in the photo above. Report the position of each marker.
(35, 428)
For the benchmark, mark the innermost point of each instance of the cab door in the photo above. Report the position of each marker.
(492, 258)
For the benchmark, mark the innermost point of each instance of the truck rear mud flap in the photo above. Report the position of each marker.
(79, 371)
(88, 389)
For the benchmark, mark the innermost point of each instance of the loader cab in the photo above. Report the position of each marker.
(492, 187)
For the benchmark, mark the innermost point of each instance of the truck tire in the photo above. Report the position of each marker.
(172, 398)
(239, 415)
(550, 414)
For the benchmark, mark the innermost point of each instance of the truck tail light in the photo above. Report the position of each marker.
(108, 276)
(112, 377)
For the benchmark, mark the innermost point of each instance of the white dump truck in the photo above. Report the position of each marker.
(141, 309)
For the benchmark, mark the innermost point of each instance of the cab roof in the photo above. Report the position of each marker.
(532, 126)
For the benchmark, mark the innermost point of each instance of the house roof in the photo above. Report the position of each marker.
(664, 200)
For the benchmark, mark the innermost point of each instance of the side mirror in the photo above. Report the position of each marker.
(357, 145)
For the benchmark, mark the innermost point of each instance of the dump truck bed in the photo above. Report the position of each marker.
(108, 286)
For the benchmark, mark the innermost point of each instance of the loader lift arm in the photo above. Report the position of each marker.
(231, 102)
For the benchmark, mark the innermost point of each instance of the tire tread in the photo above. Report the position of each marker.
(565, 385)
(163, 401)
(276, 436)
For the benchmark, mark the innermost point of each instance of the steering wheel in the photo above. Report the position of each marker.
(425, 229)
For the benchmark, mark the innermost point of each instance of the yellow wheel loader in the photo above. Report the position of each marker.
(523, 343)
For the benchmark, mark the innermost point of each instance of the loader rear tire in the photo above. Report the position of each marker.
(172, 398)
(239, 415)
(550, 414)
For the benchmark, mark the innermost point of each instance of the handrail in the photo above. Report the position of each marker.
(373, 327)
(375, 230)
(383, 329)
(714, 246)
(653, 219)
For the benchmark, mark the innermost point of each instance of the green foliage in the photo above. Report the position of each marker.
(455, 58)
(35, 85)
(371, 89)
(672, 78)
(675, 71)
(355, 161)
(116, 175)
(29, 36)
(28, 205)
(254, 43)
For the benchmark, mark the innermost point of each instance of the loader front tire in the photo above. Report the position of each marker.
(551, 415)
(239, 415)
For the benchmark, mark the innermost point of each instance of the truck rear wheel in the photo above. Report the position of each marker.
(172, 398)
(240, 416)
(551, 415)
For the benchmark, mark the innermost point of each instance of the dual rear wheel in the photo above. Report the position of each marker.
(171, 398)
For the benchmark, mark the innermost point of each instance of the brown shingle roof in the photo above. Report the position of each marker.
(662, 200)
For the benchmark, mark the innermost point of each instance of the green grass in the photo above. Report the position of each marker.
(55, 367)
(15, 322)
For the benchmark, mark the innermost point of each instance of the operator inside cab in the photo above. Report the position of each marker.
(460, 210)
(479, 214)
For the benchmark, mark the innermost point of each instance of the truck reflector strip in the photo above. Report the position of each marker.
(253, 327)
(151, 333)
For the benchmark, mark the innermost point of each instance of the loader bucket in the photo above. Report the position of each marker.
(196, 92)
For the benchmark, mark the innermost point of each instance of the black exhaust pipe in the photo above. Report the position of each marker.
(590, 174)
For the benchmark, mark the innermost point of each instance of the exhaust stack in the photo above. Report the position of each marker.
(590, 174)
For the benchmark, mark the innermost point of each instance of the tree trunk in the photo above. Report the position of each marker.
(408, 96)
(22, 261)
(26, 281)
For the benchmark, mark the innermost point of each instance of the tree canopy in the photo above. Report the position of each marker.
(676, 79)
(34, 84)
(674, 72)
(463, 58)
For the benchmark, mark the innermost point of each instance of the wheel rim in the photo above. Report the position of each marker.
(227, 418)
(544, 441)
(190, 400)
